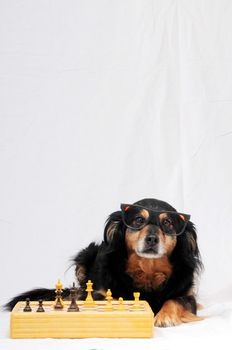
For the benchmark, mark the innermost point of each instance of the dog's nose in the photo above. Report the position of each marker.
(152, 239)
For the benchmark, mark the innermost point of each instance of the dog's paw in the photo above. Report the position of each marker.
(165, 319)
(173, 314)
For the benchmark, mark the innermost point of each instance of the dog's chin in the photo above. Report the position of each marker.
(150, 254)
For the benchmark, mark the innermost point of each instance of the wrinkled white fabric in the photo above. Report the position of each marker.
(104, 102)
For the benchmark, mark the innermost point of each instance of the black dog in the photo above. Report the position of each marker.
(148, 247)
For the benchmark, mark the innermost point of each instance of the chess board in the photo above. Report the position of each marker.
(118, 321)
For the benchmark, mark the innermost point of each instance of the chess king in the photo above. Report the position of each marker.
(148, 247)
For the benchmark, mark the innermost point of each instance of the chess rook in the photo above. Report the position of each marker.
(136, 305)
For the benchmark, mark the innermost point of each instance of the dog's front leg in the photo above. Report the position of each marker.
(177, 311)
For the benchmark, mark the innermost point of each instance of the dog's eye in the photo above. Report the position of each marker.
(138, 221)
(167, 222)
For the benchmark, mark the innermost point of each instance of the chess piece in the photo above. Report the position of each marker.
(59, 304)
(40, 308)
(108, 306)
(121, 306)
(73, 293)
(27, 307)
(136, 304)
(89, 302)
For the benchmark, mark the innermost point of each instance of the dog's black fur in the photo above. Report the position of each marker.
(108, 265)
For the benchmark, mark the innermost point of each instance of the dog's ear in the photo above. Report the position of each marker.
(114, 227)
(190, 246)
(191, 237)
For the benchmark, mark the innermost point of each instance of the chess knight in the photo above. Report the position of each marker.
(148, 247)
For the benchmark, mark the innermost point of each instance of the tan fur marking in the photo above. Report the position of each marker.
(80, 273)
(145, 213)
(169, 243)
(132, 238)
(200, 306)
(148, 273)
(111, 230)
(172, 314)
(163, 216)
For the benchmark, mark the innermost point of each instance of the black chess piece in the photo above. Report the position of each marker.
(40, 308)
(73, 306)
(27, 307)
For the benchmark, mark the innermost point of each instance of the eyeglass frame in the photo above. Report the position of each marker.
(186, 216)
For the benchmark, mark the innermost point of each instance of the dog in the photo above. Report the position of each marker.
(147, 247)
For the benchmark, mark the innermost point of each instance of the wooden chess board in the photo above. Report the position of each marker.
(127, 321)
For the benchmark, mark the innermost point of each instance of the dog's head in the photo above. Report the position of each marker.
(151, 229)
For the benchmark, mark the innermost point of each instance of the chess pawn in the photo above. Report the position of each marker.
(121, 306)
(40, 308)
(27, 307)
(73, 306)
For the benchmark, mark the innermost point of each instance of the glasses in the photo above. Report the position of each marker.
(136, 217)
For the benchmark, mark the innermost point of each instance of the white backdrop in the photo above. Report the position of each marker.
(104, 102)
